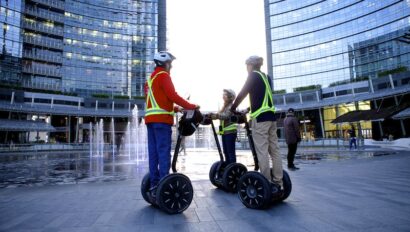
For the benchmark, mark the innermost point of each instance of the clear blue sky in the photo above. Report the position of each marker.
(211, 40)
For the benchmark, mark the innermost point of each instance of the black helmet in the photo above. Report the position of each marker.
(189, 122)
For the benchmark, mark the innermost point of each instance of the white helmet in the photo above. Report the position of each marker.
(160, 58)
(254, 61)
(231, 93)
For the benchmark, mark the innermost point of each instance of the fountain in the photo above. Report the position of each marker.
(97, 139)
(134, 144)
(112, 129)
(91, 139)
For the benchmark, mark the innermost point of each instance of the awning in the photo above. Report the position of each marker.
(367, 115)
(25, 125)
(402, 114)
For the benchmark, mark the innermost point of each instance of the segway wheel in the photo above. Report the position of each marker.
(175, 193)
(232, 173)
(254, 190)
(145, 186)
(216, 172)
(287, 186)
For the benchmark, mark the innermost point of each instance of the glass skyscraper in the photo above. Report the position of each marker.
(80, 46)
(312, 41)
(67, 64)
(331, 52)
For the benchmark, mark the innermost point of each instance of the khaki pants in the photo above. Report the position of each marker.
(267, 146)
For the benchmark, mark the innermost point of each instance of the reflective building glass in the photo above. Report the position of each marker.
(80, 46)
(10, 41)
(324, 43)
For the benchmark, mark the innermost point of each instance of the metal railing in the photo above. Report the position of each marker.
(43, 28)
(45, 14)
(42, 71)
(41, 85)
(54, 3)
(44, 57)
(41, 41)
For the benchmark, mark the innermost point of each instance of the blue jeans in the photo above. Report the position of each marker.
(159, 151)
(352, 141)
(228, 145)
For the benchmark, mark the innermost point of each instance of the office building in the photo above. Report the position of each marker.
(329, 58)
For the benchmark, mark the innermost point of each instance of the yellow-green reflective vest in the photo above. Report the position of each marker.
(224, 129)
(154, 109)
(265, 107)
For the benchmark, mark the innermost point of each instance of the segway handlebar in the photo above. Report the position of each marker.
(240, 118)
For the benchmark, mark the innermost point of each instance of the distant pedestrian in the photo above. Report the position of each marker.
(352, 134)
(292, 135)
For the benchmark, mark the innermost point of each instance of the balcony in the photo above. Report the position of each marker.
(53, 72)
(42, 28)
(34, 11)
(53, 3)
(43, 57)
(42, 85)
(44, 42)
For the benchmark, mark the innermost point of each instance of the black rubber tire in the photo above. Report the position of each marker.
(287, 186)
(254, 190)
(216, 172)
(232, 173)
(145, 186)
(174, 193)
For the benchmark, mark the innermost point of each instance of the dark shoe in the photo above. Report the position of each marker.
(277, 191)
(153, 193)
(293, 168)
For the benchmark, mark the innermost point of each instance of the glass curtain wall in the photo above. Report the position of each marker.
(79, 46)
(108, 45)
(329, 42)
(10, 42)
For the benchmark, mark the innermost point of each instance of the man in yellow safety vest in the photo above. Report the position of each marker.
(259, 87)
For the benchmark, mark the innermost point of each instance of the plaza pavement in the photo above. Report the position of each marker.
(366, 194)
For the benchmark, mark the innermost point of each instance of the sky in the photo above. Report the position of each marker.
(211, 40)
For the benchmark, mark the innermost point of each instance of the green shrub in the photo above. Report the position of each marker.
(361, 78)
(308, 87)
(100, 95)
(280, 91)
(393, 71)
(121, 97)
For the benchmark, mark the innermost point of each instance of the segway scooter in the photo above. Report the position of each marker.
(174, 192)
(254, 190)
(222, 175)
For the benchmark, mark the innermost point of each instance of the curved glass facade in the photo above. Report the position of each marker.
(10, 41)
(81, 46)
(324, 43)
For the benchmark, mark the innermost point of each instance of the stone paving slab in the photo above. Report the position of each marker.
(348, 195)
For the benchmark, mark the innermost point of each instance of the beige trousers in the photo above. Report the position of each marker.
(267, 147)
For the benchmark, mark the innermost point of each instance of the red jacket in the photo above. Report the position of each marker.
(165, 96)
